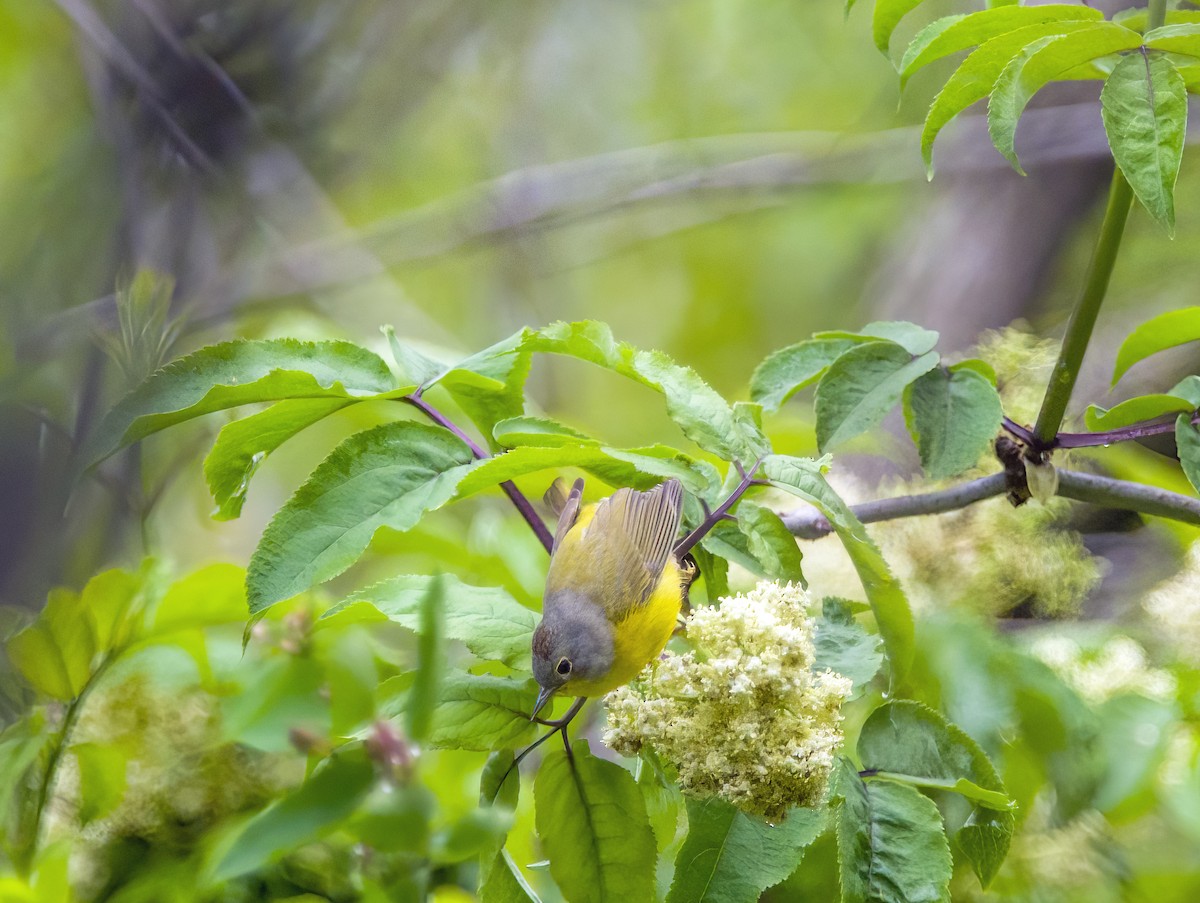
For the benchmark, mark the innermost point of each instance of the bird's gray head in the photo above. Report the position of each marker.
(573, 642)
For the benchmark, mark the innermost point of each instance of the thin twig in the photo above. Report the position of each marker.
(721, 513)
(1142, 430)
(809, 523)
(523, 505)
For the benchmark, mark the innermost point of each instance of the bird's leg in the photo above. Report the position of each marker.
(722, 511)
(561, 723)
(559, 726)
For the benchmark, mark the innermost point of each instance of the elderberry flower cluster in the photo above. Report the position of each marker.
(742, 716)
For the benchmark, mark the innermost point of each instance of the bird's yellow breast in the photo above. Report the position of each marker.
(641, 636)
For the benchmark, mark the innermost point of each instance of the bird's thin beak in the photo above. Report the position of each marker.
(542, 699)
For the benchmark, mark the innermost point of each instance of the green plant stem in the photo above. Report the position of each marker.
(1083, 317)
(1156, 14)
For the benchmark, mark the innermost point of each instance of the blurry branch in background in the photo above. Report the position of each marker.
(809, 523)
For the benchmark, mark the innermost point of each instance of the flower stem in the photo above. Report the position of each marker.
(1083, 317)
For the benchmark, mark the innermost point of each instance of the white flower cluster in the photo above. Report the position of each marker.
(1174, 605)
(1118, 666)
(743, 716)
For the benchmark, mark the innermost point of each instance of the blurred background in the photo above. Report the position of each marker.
(715, 179)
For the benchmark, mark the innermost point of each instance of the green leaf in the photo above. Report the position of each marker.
(703, 415)
(974, 78)
(804, 478)
(770, 542)
(1188, 389)
(790, 369)
(1175, 327)
(101, 779)
(1135, 410)
(843, 646)
(908, 738)
(243, 445)
(861, 386)
(490, 622)
(540, 431)
(663, 799)
(1144, 103)
(912, 338)
(475, 711)
(431, 662)
(1040, 62)
(990, 799)
(1182, 37)
(489, 386)
(505, 883)
(891, 846)
(954, 33)
(591, 819)
(1187, 442)
(306, 814)
(953, 416)
(387, 476)
(237, 373)
(416, 367)
(731, 857)
(499, 768)
(887, 16)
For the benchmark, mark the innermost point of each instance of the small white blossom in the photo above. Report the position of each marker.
(743, 716)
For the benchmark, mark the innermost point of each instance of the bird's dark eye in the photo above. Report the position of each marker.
(563, 667)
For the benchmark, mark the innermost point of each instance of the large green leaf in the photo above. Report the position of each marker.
(953, 416)
(490, 622)
(489, 385)
(907, 738)
(308, 813)
(861, 386)
(386, 476)
(1144, 103)
(1040, 62)
(912, 338)
(1182, 37)
(790, 369)
(1175, 327)
(1135, 410)
(770, 542)
(973, 79)
(843, 646)
(703, 415)
(505, 883)
(803, 477)
(1187, 442)
(954, 33)
(731, 857)
(891, 845)
(887, 16)
(540, 431)
(474, 711)
(237, 373)
(242, 446)
(592, 821)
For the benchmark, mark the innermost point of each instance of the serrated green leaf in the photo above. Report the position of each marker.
(912, 338)
(983, 368)
(843, 646)
(489, 385)
(1135, 410)
(731, 857)
(1144, 104)
(505, 883)
(703, 415)
(891, 845)
(490, 622)
(1187, 443)
(236, 373)
(1175, 327)
(1040, 62)
(803, 478)
(306, 814)
(908, 738)
(475, 711)
(539, 431)
(386, 476)
(790, 369)
(244, 444)
(101, 779)
(591, 819)
(954, 33)
(973, 79)
(887, 16)
(770, 542)
(1188, 389)
(431, 661)
(861, 387)
(953, 416)
(416, 367)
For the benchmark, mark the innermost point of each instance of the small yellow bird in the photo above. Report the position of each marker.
(613, 592)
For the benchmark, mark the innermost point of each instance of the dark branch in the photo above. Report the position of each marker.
(721, 513)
